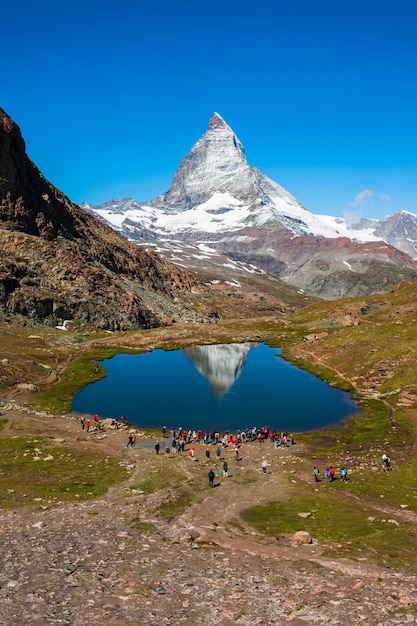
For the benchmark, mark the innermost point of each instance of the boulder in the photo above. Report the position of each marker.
(301, 538)
(189, 536)
(27, 387)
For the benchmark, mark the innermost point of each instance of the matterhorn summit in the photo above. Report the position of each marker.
(216, 164)
(215, 178)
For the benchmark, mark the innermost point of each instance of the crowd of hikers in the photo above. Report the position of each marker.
(214, 437)
(180, 438)
(330, 474)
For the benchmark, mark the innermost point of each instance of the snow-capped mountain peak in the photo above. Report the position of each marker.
(215, 164)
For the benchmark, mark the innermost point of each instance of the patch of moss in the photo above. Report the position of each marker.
(34, 473)
(158, 478)
(176, 503)
(141, 525)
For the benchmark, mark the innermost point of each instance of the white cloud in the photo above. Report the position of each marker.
(361, 197)
(364, 196)
(352, 217)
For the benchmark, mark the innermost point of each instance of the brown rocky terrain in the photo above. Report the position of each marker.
(329, 268)
(58, 262)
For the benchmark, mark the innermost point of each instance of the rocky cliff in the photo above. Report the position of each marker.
(59, 262)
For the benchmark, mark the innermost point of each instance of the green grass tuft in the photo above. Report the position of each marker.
(73, 474)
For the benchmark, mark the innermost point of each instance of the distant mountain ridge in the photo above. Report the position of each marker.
(218, 202)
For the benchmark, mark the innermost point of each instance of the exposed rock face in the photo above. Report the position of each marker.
(400, 231)
(28, 202)
(330, 268)
(58, 262)
(217, 200)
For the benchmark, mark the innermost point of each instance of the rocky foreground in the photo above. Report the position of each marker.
(86, 563)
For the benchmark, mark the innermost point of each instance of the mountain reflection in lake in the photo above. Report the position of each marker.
(215, 387)
(220, 364)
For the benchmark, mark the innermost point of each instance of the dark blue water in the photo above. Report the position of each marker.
(214, 388)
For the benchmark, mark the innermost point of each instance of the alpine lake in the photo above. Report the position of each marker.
(214, 387)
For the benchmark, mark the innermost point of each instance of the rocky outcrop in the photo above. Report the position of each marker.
(28, 203)
(400, 231)
(59, 262)
(329, 268)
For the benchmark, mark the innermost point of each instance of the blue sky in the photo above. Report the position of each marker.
(110, 96)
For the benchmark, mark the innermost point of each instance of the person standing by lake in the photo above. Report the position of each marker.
(386, 460)
(225, 469)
